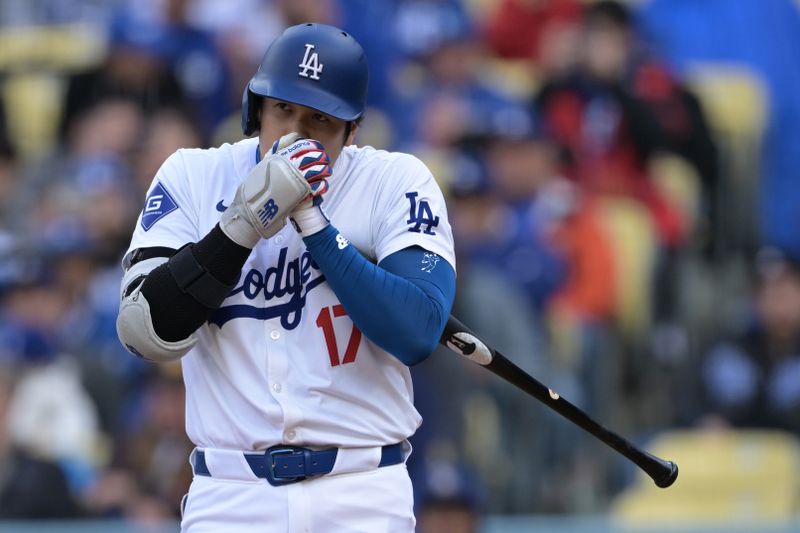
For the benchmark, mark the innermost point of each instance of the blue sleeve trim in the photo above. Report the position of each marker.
(401, 304)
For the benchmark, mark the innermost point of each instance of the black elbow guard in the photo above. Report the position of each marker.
(195, 280)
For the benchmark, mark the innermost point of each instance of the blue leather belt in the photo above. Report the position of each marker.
(281, 465)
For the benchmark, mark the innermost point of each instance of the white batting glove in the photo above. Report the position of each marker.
(268, 194)
(310, 158)
(294, 171)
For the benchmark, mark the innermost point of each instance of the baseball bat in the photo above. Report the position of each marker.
(460, 339)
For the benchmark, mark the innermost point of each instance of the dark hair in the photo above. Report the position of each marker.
(349, 126)
(609, 11)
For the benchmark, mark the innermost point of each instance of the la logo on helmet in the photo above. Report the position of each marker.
(310, 63)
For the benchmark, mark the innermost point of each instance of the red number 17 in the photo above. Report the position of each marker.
(325, 322)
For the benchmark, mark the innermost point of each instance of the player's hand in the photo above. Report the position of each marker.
(272, 190)
(310, 158)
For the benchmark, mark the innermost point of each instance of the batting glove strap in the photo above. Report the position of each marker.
(309, 218)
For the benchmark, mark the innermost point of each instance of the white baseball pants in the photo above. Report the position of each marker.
(373, 501)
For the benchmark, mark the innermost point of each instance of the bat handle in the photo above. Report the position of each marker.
(668, 480)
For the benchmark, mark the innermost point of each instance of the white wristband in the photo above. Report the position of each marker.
(309, 220)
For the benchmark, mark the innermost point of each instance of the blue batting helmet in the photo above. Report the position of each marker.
(314, 65)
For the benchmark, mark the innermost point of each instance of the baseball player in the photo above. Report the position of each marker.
(296, 276)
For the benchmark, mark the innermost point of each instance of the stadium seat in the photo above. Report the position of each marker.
(515, 77)
(633, 237)
(33, 108)
(734, 99)
(59, 48)
(34, 60)
(678, 181)
(725, 477)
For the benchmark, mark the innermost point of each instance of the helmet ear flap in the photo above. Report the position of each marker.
(250, 105)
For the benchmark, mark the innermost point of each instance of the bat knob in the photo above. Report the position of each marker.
(670, 476)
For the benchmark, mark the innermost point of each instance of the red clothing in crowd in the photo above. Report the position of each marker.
(516, 28)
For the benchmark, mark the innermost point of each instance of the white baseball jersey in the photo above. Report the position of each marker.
(280, 361)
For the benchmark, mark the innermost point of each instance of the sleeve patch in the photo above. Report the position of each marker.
(159, 204)
(420, 215)
(429, 261)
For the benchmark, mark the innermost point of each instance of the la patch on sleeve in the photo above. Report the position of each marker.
(159, 204)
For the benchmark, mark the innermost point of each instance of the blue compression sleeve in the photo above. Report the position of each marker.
(399, 305)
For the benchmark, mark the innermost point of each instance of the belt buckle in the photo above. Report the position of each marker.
(278, 480)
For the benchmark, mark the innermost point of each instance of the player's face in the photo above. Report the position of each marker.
(279, 118)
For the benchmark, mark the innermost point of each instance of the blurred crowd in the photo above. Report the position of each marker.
(622, 192)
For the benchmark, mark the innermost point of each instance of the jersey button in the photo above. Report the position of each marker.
(274, 334)
(276, 387)
(278, 239)
(290, 435)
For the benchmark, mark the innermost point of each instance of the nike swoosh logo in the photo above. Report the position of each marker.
(221, 207)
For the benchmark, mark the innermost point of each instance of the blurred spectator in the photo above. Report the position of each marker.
(240, 29)
(80, 195)
(384, 59)
(537, 30)
(581, 301)
(32, 315)
(155, 446)
(560, 256)
(760, 47)
(753, 379)
(608, 133)
(684, 129)
(577, 230)
(537, 277)
(488, 295)
(526, 255)
(150, 472)
(300, 11)
(449, 501)
(683, 123)
(31, 486)
(157, 59)
(444, 93)
(472, 416)
(136, 69)
(109, 127)
(50, 414)
(197, 63)
(615, 53)
(112, 378)
(52, 417)
(423, 26)
(81, 213)
(9, 178)
(164, 133)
